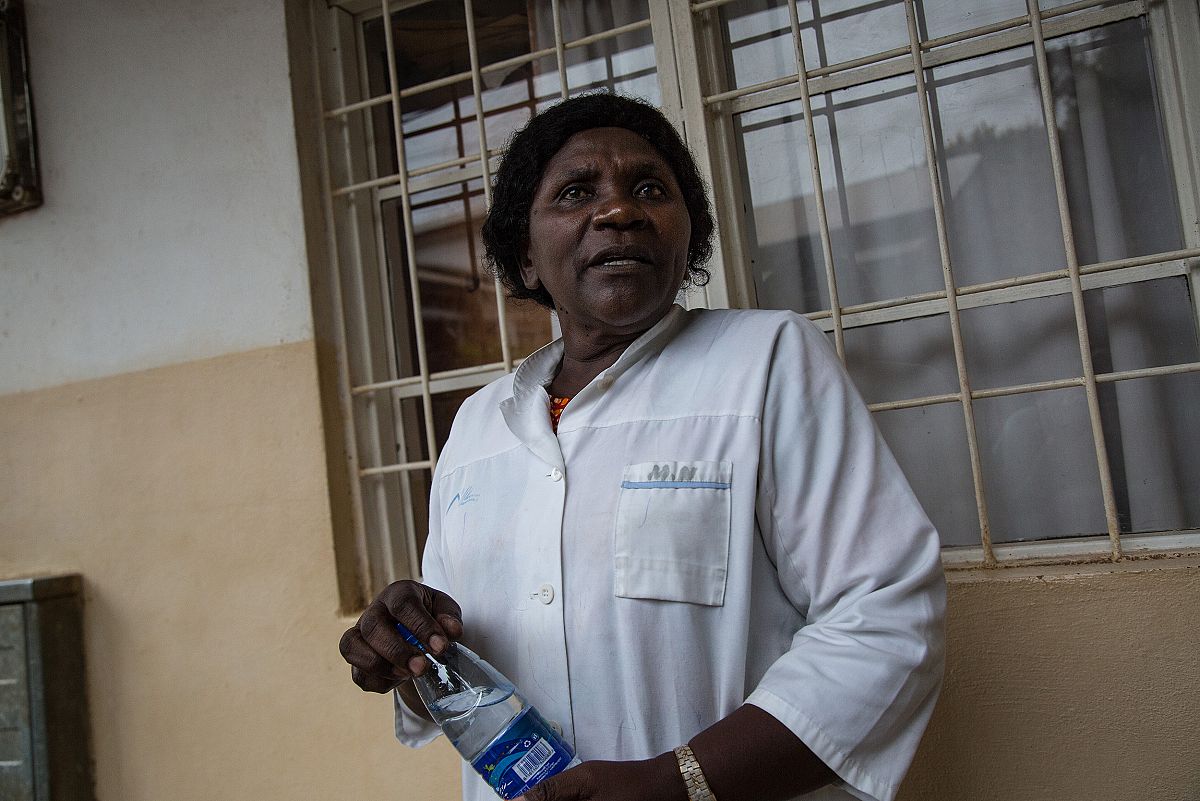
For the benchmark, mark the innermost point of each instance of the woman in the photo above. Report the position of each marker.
(710, 546)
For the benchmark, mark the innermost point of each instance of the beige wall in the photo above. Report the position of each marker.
(1068, 683)
(192, 498)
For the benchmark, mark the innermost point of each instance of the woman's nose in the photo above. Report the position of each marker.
(619, 212)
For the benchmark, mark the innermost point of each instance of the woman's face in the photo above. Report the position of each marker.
(608, 234)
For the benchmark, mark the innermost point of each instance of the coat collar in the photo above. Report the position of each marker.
(527, 412)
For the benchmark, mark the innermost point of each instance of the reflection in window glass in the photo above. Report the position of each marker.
(758, 38)
(789, 270)
(758, 34)
(623, 64)
(1021, 343)
(1001, 210)
(906, 359)
(1147, 324)
(458, 296)
(1154, 445)
(877, 195)
(1039, 466)
(930, 444)
(937, 18)
(1001, 207)
(1121, 191)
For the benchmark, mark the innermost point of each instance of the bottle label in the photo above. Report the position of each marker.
(525, 753)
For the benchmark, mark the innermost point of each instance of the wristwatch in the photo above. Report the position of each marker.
(693, 777)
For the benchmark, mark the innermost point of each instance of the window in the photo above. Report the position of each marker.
(1019, 309)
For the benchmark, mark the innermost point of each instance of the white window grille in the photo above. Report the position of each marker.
(990, 206)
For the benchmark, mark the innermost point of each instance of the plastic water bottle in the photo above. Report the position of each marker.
(494, 728)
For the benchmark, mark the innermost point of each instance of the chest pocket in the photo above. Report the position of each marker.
(672, 532)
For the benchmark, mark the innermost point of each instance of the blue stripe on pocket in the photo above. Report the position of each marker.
(674, 485)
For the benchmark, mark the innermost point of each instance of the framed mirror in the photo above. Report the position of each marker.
(20, 188)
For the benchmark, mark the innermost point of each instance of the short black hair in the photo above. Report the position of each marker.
(506, 229)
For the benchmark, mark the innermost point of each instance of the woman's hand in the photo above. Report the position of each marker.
(656, 779)
(380, 659)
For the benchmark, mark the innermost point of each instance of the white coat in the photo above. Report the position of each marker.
(717, 522)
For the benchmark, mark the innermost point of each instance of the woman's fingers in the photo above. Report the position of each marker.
(421, 609)
(378, 654)
(369, 669)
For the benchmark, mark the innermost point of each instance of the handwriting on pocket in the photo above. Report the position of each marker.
(663, 472)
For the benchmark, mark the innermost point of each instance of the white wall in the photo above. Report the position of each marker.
(172, 227)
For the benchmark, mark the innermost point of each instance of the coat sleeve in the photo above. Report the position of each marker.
(411, 729)
(860, 560)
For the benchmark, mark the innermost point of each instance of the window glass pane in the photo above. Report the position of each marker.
(445, 406)
(1021, 343)
(1154, 446)
(836, 31)
(624, 64)
(907, 359)
(930, 444)
(395, 505)
(1121, 191)
(407, 496)
(1001, 209)
(877, 197)
(937, 18)
(785, 245)
(759, 35)
(759, 41)
(1039, 466)
(431, 43)
(877, 192)
(1147, 324)
(458, 296)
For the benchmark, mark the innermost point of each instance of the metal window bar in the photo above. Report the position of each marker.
(814, 161)
(969, 44)
(1164, 258)
(477, 91)
(410, 247)
(946, 301)
(496, 66)
(387, 294)
(912, 403)
(560, 48)
(946, 49)
(422, 384)
(394, 179)
(1068, 234)
(939, 217)
(345, 398)
(1141, 268)
(359, 313)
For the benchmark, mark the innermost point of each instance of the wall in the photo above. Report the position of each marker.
(171, 229)
(192, 500)
(160, 426)
(1068, 683)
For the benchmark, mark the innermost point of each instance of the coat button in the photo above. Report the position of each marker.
(556, 475)
(546, 594)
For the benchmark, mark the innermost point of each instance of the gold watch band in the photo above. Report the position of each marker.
(693, 777)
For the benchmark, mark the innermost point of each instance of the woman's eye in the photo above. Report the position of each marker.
(651, 189)
(572, 193)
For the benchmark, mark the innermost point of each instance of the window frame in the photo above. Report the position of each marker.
(696, 98)
(1177, 66)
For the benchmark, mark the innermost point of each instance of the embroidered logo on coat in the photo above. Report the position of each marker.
(463, 497)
